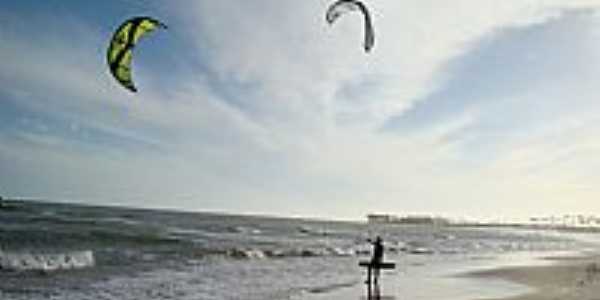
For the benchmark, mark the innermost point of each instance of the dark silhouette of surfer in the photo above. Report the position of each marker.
(377, 258)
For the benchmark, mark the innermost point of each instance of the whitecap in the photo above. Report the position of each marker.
(246, 253)
(46, 262)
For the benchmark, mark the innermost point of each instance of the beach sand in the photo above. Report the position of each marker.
(563, 278)
(570, 278)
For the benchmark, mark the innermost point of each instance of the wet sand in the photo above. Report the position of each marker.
(570, 278)
(563, 278)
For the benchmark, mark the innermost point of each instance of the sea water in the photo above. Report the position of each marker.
(59, 251)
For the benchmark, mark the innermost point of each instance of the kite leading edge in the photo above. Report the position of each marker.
(120, 50)
(342, 7)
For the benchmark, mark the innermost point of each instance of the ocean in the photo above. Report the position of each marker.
(62, 251)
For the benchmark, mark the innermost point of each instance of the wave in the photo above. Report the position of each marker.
(243, 230)
(253, 253)
(330, 288)
(312, 231)
(54, 218)
(46, 262)
(421, 251)
(120, 220)
(246, 253)
(412, 248)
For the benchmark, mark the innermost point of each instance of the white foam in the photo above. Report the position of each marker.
(46, 262)
(253, 253)
(337, 251)
(246, 253)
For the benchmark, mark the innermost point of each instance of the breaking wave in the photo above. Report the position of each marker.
(46, 262)
(253, 253)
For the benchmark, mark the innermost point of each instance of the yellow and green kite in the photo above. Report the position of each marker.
(120, 51)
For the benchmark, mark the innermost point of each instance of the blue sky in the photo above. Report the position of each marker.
(471, 108)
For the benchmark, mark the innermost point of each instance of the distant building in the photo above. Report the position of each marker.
(379, 218)
(406, 220)
(566, 221)
(423, 220)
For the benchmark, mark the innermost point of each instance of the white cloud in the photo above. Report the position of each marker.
(288, 111)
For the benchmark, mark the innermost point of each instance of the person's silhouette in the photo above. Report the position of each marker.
(377, 258)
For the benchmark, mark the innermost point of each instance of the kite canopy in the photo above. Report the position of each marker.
(120, 51)
(342, 7)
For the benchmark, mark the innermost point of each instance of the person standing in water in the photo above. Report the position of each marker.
(377, 258)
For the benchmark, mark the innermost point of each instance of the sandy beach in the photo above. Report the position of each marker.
(562, 278)
(576, 278)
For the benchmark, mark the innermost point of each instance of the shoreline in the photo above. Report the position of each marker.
(572, 276)
(567, 278)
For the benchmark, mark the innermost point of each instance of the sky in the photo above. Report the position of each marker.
(478, 109)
